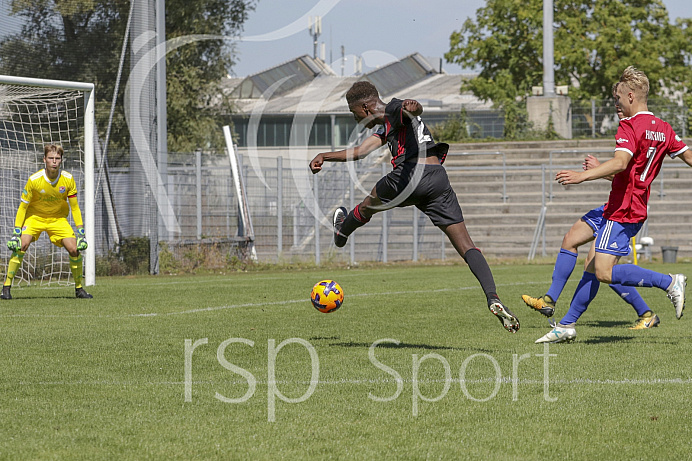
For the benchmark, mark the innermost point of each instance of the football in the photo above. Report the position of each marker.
(327, 296)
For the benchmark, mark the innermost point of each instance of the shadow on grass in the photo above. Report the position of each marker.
(37, 298)
(403, 345)
(607, 323)
(608, 339)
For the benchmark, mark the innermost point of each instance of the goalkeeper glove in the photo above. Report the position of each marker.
(15, 243)
(81, 240)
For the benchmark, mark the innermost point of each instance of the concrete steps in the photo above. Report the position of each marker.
(501, 197)
(503, 227)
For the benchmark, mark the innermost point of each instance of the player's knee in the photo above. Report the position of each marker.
(567, 243)
(604, 275)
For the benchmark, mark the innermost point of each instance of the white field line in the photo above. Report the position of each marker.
(329, 382)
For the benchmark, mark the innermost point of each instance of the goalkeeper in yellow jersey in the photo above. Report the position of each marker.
(44, 208)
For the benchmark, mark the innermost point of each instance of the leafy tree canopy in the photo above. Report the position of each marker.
(81, 40)
(594, 41)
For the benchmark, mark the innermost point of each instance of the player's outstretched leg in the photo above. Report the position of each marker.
(6, 292)
(673, 284)
(81, 293)
(480, 269)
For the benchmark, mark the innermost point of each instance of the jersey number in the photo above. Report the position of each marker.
(650, 154)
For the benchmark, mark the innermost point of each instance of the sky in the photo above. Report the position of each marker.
(379, 32)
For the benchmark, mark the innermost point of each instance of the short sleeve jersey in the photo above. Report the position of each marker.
(403, 135)
(48, 199)
(648, 139)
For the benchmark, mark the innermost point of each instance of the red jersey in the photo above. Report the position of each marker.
(647, 139)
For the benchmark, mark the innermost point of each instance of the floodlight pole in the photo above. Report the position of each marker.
(548, 50)
(161, 115)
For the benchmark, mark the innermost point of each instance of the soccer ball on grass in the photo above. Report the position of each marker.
(327, 296)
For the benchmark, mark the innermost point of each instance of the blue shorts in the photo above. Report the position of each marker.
(614, 237)
(594, 218)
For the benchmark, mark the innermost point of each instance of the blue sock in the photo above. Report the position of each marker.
(635, 276)
(564, 265)
(631, 296)
(585, 293)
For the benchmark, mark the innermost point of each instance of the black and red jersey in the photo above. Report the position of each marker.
(406, 135)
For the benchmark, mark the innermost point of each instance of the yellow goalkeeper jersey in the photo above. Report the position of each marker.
(49, 199)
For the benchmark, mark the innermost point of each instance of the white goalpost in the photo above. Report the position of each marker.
(33, 113)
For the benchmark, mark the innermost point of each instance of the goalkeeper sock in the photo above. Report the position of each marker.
(76, 268)
(13, 266)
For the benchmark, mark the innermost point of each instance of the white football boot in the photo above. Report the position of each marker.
(676, 293)
(558, 334)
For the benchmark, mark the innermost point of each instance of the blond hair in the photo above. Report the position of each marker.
(53, 148)
(636, 81)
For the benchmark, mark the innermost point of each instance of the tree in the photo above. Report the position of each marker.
(81, 40)
(594, 41)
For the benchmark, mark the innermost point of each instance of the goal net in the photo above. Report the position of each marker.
(34, 113)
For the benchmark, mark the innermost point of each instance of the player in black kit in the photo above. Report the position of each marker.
(418, 178)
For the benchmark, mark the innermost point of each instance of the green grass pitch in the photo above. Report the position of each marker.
(413, 366)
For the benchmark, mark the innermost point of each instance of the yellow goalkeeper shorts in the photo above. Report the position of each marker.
(56, 228)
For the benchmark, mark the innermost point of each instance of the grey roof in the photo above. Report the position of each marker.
(323, 92)
(285, 77)
(442, 92)
(400, 74)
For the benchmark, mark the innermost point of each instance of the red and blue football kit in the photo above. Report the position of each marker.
(648, 139)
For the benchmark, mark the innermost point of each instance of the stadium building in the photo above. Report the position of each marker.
(304, 97)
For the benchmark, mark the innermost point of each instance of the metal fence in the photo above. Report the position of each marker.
(291, 209)
(596, 118)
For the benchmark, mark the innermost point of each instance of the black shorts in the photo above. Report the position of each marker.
(433, 195)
